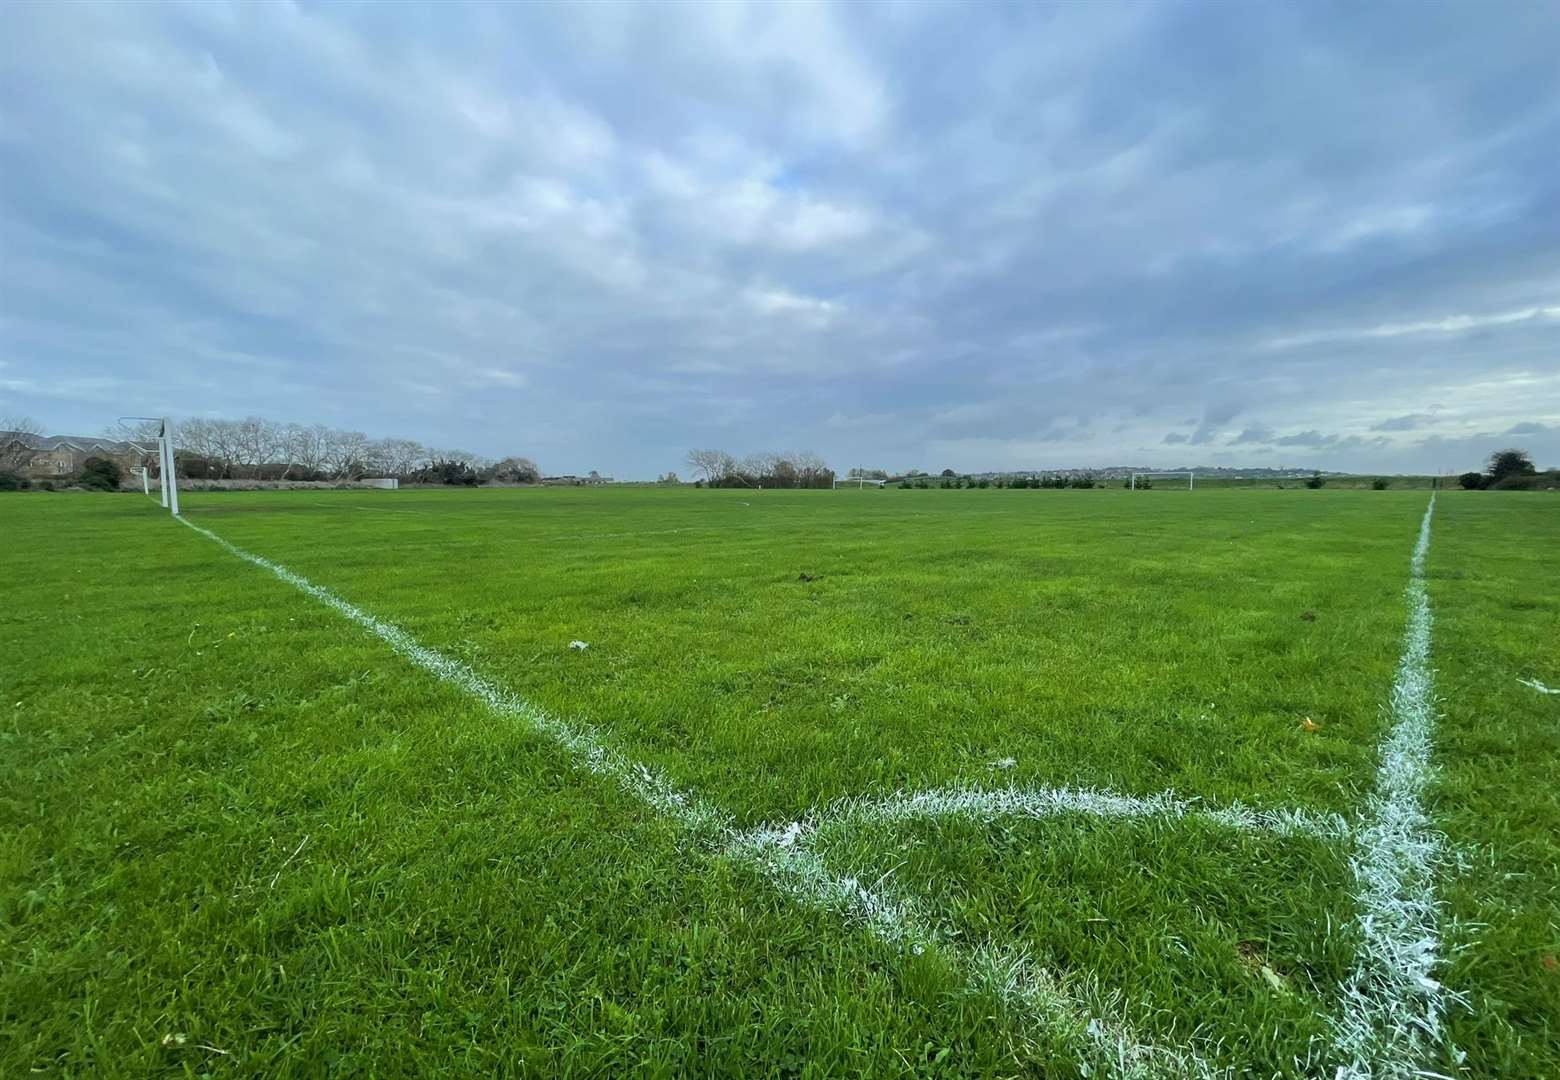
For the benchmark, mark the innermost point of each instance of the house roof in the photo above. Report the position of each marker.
(72, 442)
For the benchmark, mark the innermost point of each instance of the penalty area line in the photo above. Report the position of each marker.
(794, 869)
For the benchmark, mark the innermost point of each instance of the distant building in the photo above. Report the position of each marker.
(60, 457)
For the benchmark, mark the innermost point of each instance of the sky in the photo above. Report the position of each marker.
(907, 235)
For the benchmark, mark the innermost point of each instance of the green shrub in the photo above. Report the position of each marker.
(99, 474)
(984, 483)
(1317, 480)
(1505, 464)
(1534, 481)
(11, 481)
(455, 473)
(1381, 483)
(1472, 481)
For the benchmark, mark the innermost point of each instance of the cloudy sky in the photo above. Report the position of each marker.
(906, 235)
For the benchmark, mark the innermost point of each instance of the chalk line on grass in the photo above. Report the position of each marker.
(1540, 687)
(644, 783)
(988, 805)
(1393, 1004)
(793, 867)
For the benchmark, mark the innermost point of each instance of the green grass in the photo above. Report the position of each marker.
(465, 899)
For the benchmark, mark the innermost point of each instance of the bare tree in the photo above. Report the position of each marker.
(266, 449)
(198, 437)
(814, 471)
(403, 456)
(344, 453)
(517, 470)
(255, 443)
(713, 466)
(759, 466)
(18, 436)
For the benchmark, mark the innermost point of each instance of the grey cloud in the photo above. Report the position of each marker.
(1316, 440)
(1312, 438)
(1407, 422)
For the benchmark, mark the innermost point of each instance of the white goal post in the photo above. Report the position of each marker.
(1191, 477)
(167, 477)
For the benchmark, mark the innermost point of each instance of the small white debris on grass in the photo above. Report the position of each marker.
(581, 645)
(1003, 763)
(1540, 687)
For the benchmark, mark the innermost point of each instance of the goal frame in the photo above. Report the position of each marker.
(168, 480)
(1190, 474)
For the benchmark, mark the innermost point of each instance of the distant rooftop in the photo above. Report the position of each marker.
(54, 442)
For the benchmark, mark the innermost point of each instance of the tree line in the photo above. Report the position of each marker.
(258, 449)
(1510, 470)
(766, 469)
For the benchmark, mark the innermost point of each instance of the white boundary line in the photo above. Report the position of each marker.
(987, 805)
(795, 869)
(1393, 1005)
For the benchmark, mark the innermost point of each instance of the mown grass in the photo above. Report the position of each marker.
(1495, 579)
(463, 899)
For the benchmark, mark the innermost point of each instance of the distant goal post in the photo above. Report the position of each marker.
(166, 464)
(1189, 474)
(857, 482)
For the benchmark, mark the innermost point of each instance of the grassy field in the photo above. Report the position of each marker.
(245, 835)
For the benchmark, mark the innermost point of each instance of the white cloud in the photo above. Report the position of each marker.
(1449, 324)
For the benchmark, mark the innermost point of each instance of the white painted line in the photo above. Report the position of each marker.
(1540, 687)
(793, 868)
(1009, 973)
(987, 805)
(1393, 1005)
(644, 783)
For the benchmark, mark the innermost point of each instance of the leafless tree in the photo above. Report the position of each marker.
(517, 470)
(811, 469)
(17, 434)
(758, 465)
(801, 468)
(266, 449)
(200, 438)
(344, 453)
(712, 466)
